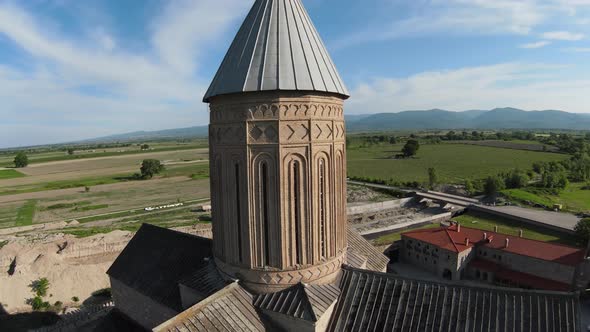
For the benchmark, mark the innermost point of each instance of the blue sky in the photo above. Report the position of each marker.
(73, 69)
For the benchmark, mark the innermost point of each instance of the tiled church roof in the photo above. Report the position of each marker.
(372, 301)
(376, 261)
(452, 239)
(277, 48)
(230, 309)
(308, 302)
(156, 259)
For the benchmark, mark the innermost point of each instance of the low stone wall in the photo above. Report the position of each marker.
(396, 227)
(82, 249)
(373, 207)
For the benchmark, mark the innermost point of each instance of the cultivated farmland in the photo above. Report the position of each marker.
(453, 162)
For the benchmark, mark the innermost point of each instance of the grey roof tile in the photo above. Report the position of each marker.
(229, 309)
(303, 301)
(373, 301)
(376, 260)
(276, 48)
(156, 259)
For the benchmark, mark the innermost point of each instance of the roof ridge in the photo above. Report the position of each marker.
(461, 285)
(450, 238)
(524, 238)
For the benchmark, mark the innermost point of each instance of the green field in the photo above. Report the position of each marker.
(26, 213)
(43, 157)
(573, 198)
(10, 174)
(453, 162)
(194, 171)
(487, 222)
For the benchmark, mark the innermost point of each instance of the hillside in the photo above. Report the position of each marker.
(190, 132)
(499, 118)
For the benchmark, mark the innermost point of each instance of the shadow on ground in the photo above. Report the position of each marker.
(26, 321)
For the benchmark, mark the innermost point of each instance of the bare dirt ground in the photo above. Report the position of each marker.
(73, 266)
(68, 275)
(96, 167)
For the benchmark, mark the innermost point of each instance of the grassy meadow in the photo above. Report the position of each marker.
(10, 174)
(574, 198)
(453, 162)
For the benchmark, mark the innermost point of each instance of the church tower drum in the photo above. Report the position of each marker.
(277, 153)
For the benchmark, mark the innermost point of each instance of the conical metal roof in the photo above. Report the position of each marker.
(277, 48)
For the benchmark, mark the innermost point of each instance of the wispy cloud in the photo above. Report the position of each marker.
(467, 17)
(538, 44)
(523, 85)
(563, 35)
(75, 84)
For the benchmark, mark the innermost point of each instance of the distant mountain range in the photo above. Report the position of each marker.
(190, 132)
(499, 118)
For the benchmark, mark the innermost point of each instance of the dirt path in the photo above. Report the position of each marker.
(125, 156)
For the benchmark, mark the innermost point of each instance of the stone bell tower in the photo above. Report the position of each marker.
(277, 153)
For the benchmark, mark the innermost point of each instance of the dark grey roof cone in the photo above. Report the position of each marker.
(277, 48)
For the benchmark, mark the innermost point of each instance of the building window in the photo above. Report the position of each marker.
(322, 197)
(485, 276)
(477, 274)
(265, 212)
(238, 212)
(296, 199)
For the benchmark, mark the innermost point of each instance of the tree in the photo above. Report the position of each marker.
(469, 187)
(411, 148)
(21, 160)
(516, 179)
(432, 177)
(70, 151)
(493, 185)
(582, 229)
(392, 140)
(150, 167)
(145, 147)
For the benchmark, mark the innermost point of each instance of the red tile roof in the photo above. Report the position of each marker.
(452, 239)
(517, 277)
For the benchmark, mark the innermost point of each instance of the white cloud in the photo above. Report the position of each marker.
(527, 86)
(101, 82)
(563, 35)
(538, 44)
(467, 17)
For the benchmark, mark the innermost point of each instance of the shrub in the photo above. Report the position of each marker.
(75, 299)
(40, 287)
